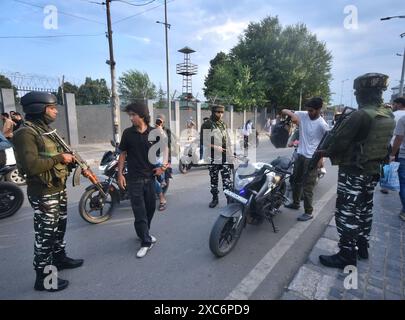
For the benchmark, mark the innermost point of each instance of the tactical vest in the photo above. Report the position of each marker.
(48, 148)
(218, 129)
(374, 148)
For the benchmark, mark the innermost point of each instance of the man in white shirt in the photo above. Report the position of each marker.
(312, 127)
(399, 112)
(398, 144)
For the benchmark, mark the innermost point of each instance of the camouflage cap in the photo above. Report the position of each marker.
(217, 107)
(371, 80)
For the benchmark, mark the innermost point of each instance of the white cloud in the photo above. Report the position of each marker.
(227, 31)
(142, 39)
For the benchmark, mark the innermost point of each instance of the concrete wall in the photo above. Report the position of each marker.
(94, 122)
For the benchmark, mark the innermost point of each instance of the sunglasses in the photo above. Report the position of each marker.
(219, 112)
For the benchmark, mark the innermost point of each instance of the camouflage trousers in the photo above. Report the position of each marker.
(226, 171)
(354, 205)
(50, 217)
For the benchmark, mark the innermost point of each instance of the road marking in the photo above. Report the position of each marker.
(259, 273)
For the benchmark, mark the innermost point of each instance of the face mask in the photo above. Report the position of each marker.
(48, 119)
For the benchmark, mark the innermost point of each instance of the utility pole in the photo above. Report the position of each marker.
(300, 99)
(341, 95)
(62, 90)
(114, 97)
(401, 84)
(169, 105)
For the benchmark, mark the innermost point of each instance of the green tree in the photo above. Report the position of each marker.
(6, 83)
(133, 85)
(67, 88)
(93, 92)
(213, 86)
(281, 62)
(248, 93)
(161, 96)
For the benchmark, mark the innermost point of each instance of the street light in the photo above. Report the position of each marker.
(167, 27)
(389, 18)
(341, 92)
(401, 85)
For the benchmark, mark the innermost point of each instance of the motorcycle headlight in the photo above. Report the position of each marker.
(241, 183)
(273, 180)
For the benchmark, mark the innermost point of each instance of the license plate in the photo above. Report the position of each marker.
(236, 196)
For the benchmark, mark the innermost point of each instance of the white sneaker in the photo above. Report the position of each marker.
(201, 161)
(143, 251)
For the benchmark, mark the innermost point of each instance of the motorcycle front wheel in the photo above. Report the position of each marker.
(11, 199)
(226, 233)
(15, 177)
(184, 167)
(93, 208)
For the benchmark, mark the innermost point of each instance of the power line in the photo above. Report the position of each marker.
(140, 13)
(135, 5)
(61, 12)
(53, 36)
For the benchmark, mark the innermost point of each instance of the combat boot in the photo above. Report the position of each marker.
(40, 286)
(62, 261)
(340, 260)
(214, 202)
(362, 245)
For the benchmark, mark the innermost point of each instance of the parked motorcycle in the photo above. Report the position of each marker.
(13, 175)
(258, 193)
(93, 207)
(190, 157)
(11, 196)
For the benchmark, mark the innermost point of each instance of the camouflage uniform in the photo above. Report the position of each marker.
(41, 159)
(354, 206)
(359, 147)
(218, 161)
(226, 174)
(50, 217)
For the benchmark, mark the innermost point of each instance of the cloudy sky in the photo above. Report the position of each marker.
(352, 31)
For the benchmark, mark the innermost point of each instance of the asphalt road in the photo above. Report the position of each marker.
(180, 265)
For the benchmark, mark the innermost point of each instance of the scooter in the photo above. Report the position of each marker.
(191, 157)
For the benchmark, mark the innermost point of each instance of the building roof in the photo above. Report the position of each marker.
(186, 50)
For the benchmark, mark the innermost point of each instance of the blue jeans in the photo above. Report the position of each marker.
(401, 176)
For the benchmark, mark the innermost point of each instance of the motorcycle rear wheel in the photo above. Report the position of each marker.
(90, 208)
(11, 199)
(225, 234)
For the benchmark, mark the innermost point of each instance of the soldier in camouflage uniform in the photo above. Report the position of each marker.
(359, 147)
(214, 137)
(47, 168)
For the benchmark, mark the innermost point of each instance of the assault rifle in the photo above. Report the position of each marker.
(327, 138)
(82, 168)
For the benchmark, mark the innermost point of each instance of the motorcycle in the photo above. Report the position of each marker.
(190, 157)
(13, 175)
(258, 193)
(93, 207)
(11, 196)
